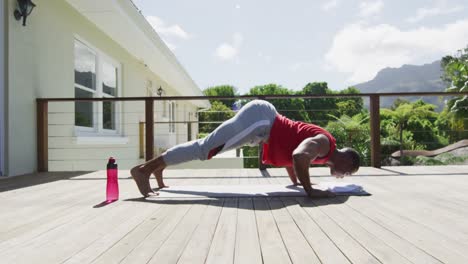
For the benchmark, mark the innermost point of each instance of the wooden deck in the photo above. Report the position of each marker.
(415, 215)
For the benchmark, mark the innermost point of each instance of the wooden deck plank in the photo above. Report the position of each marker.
(198, 247)
(416, 214)
(28, 229)
(298, 248)
(271, 243)
(414, 233)
(121, 248)
(33, 201)
(376, 246)
(354, 251)
(254, 176)
(410, 251)
(45, 247)
(224, 239)
(151, 243)
(243, 177)
(247, 248)
(46, 229)
(325, 249)
(420, 208)
(102, 244)
(36, 181)
(171, 250)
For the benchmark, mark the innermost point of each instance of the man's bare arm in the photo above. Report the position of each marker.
(308, 150)
(292, 175)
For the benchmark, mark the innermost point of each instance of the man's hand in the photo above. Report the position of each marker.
(320, 194)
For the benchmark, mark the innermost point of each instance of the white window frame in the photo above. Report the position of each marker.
(97, 129)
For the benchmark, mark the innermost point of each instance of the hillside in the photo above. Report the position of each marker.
(408, 78)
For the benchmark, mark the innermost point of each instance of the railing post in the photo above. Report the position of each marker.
(375, 130)
(149, 125)
(42, 136)
(189, 131)
(141, 139)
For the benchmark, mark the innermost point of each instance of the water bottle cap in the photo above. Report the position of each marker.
(111, 160)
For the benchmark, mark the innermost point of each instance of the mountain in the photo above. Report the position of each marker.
(407, 78)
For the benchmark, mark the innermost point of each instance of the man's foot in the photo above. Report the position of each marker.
(159, 179)
(142, 181)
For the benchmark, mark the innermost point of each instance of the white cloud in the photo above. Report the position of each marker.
(230, 51)
(362, 51)
(440, 8)
(174, 31)
(329, 5)
(370, 8)
(226, 51)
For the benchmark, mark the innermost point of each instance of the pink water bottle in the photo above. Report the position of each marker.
(112, 190)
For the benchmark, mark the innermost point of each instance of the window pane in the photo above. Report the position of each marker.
(108, 117)
(85, 66)
(172, 117)
(83, 110)
(109, 78)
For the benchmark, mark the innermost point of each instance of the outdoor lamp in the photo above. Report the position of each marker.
(160, 91)
(23, 9)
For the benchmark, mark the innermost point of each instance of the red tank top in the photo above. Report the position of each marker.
(286, 135)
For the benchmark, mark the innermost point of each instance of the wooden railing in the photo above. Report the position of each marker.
(42, 116)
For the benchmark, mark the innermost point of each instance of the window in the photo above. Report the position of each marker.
(109, 89)
(172, 109)
(95, 76)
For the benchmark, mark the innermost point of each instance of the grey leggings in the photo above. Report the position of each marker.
(250, 126)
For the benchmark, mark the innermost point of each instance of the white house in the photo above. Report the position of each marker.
(86, 48)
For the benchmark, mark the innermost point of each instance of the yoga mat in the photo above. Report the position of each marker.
(271, 190)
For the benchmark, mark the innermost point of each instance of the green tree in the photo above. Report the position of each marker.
(210, 119)
(292, 108)
(350, 106)
(222, 90)
(352, 132)
(405, 115)
(456, 75)
(320, 109)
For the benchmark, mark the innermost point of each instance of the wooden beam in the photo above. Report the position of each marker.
(189, 131)
(42, 136)
(264, 97)
(149, 125)
(141, 137)
(375, 130)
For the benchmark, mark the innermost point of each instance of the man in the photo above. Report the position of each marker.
(294, 145)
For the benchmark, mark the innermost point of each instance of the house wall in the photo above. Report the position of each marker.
(41, 64)
(2, 87)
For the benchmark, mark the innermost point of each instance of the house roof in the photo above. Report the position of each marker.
(122, 21)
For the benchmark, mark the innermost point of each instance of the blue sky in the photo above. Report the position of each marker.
(343, 42)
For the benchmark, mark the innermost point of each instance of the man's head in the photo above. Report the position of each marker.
(345, 162)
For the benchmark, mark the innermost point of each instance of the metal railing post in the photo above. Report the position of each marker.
(42, 136)
(149, 129)
(375, 130)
